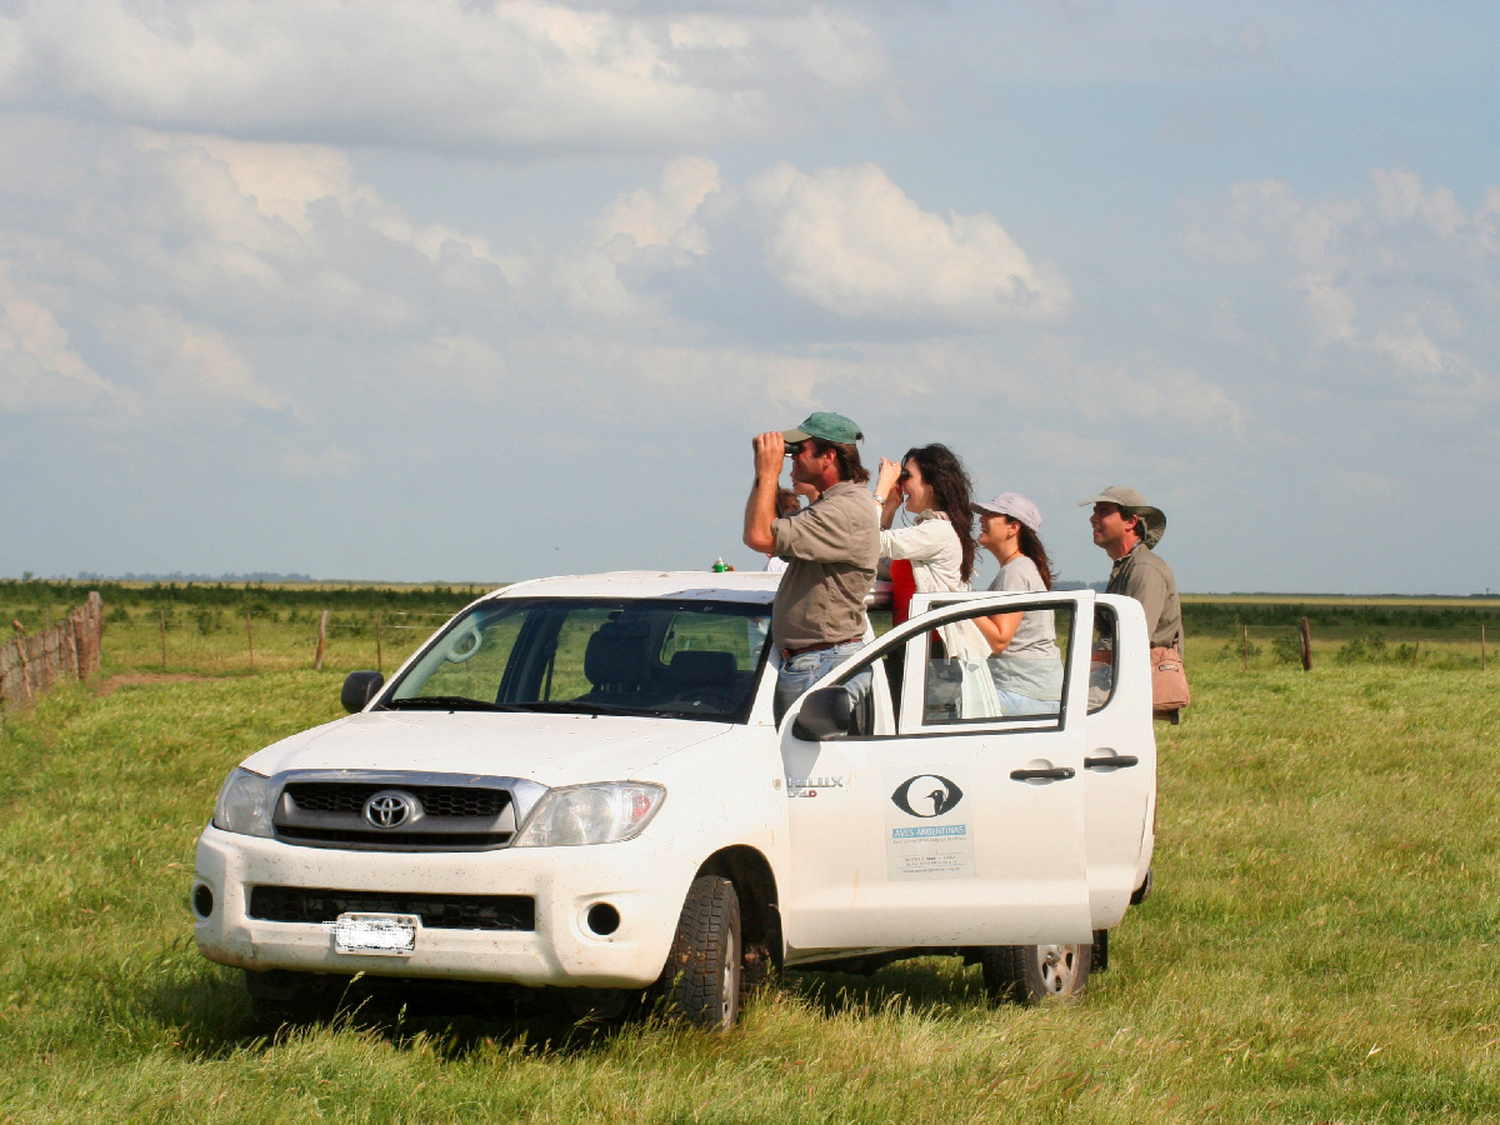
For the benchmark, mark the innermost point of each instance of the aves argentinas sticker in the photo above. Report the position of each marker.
(927, 795)
(928, 835)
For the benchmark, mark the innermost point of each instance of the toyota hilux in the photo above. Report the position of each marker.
(580, 782)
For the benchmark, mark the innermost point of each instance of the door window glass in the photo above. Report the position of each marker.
(1102, 658)
(965, 681)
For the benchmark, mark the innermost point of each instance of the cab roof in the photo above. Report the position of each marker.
(707, 585)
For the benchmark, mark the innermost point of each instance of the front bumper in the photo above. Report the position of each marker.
(644, 883)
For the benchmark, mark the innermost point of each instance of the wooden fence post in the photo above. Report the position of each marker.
(322, 640)
(46, 654)
(25, 668)
(1416, 651)
(91, 635)
(1482, 661)
(1306, 646)
(250, 638)
(161, 616)
(1245, 648)
(379, 654)
(67, 647)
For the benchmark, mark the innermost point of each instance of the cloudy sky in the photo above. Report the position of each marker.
(484, 290)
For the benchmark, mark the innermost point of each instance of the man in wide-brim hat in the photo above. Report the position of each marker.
(1127, 528)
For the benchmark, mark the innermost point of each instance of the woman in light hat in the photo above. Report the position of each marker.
(1026, 665)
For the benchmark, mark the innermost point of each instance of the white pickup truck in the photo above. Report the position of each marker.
(578, 782)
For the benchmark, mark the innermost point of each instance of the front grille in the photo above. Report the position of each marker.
(438, 912)
(329, 813)
(437, 800)
(390, 841)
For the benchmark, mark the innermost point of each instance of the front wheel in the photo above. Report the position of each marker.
(1036, 974)
(701, 979)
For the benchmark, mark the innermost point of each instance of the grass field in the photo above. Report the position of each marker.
(378, 625)
(1320, 947)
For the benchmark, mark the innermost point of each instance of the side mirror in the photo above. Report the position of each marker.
(824, 714)
(359, 689)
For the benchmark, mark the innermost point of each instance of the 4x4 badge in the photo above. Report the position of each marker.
(916, 794)
(388, 809)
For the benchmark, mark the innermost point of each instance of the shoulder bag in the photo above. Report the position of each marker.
(1169, 686)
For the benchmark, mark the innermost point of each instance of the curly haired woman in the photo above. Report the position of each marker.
(934, 487)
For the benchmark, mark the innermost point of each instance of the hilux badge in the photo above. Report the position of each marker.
(927, 795)
(388, 809)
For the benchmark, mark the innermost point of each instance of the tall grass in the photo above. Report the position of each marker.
(1319, 947)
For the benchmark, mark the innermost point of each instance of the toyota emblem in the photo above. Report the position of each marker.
(388, 809)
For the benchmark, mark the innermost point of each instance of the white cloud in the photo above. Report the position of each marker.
(666, 217)
(246, 194)
(847, 240)
(1330, 309)
(219, 263)
(207, 272)
(1254, 220)
(1400, 283)
(465, 361)
(853, 242)
(189, 359)
(328, 462)
(511, 74)
(39, 371)
(1141, 387)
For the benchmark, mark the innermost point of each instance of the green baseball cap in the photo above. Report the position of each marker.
(826, 427)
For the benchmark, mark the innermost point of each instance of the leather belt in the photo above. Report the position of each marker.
(788, 653)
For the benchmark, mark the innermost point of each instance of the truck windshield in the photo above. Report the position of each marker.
(644, 656)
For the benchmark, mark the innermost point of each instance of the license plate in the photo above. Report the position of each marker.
(390, 934)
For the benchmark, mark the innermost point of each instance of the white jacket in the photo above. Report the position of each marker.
(936, 556)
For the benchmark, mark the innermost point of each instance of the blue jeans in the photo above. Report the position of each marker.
(807, 668)
(1014, 704)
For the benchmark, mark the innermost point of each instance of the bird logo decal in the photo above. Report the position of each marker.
(927, 795)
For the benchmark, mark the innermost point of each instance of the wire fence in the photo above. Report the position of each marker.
(204, 638)
(33, 663)
(1304, 645)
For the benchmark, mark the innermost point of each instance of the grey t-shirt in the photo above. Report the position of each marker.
(1036, 636)
(1031, 664)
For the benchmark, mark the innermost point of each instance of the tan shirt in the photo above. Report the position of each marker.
(1150, 581)
(831, 548)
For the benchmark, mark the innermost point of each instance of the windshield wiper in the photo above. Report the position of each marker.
(583, 707)
(447, 703)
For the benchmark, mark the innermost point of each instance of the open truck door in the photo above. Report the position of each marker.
(932, 818)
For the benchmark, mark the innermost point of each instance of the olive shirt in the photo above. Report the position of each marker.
(831, 548)
(1149, 580)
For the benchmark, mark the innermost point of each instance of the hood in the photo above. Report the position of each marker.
(549, 749)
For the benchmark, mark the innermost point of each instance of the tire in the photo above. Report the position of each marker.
(1036, 974)
(702, 979)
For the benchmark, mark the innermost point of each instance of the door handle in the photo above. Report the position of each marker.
(1118, 761)
(1057, 773)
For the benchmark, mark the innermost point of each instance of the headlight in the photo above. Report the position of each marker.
(590, 814)
(244, 804)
